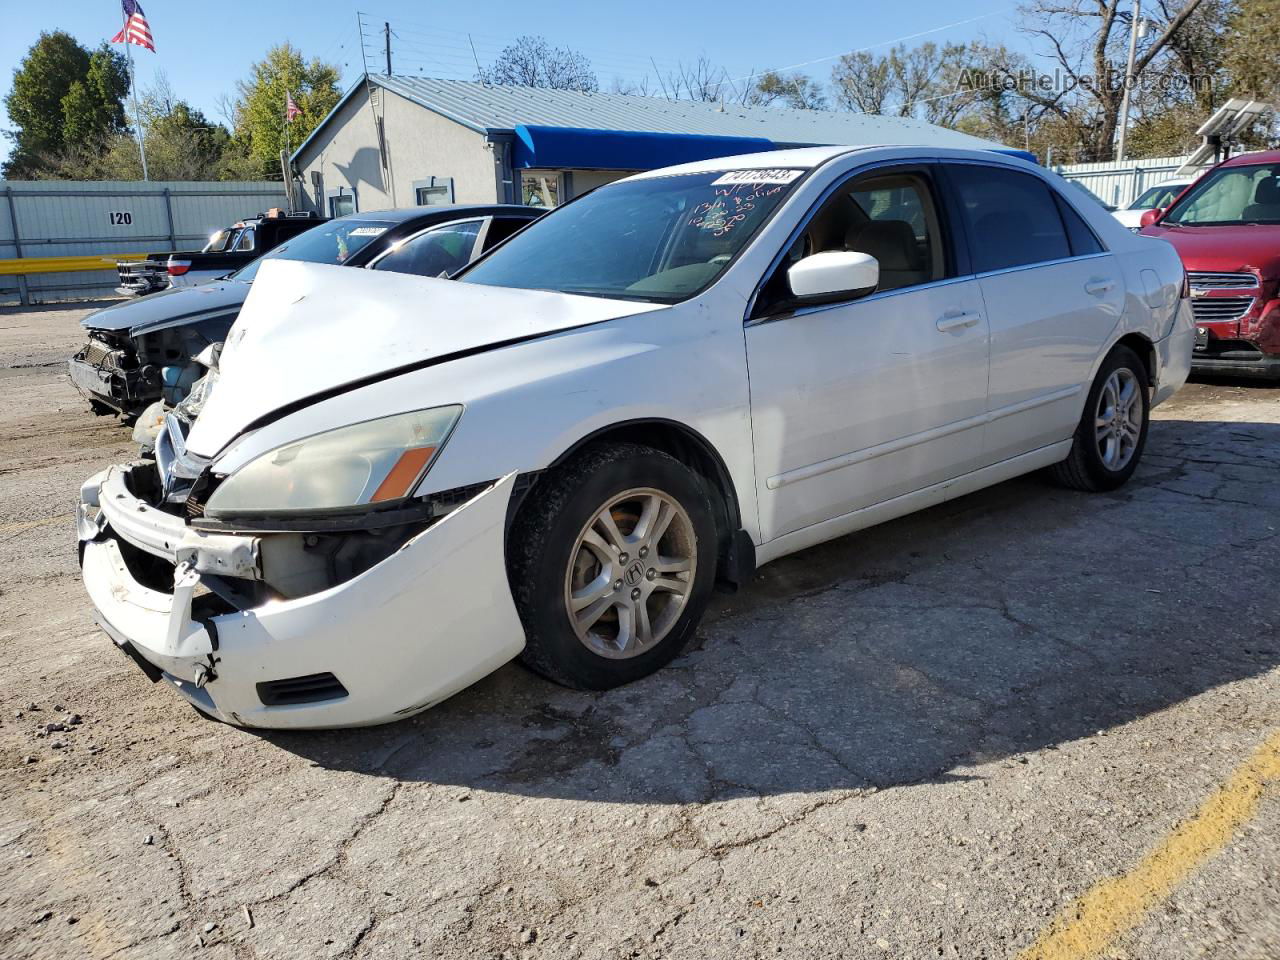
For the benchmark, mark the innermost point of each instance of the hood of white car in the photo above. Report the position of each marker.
(1130, 218)
(309, 329)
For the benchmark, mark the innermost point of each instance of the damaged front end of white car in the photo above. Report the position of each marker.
(299, 618)
(307, 583)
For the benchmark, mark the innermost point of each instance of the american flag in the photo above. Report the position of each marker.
(135, 29)
(290, 108)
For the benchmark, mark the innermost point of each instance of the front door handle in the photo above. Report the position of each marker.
(1097, 287)
(958, 321)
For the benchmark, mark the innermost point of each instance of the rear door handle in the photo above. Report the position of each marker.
(1096, 288)
(958, 321)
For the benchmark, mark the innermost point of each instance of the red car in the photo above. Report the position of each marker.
(1226, 228)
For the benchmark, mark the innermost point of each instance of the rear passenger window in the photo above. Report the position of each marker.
(502, 227)
(1083, 240)
(434, 253)
(1012, 217)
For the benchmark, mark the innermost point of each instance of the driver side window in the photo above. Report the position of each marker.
(890, 215)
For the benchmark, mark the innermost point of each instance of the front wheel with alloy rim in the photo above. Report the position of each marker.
(611, 561)
(1112, 431)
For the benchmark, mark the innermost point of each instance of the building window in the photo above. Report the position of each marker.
(540, 188)
(342, 202)
(433, 191)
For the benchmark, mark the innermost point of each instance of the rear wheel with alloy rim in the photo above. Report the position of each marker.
(1112, 431)
(611, 562)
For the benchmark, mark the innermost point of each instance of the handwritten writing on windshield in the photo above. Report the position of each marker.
(729, 207)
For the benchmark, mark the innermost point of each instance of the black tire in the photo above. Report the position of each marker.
(1084, 467)
(543, 538)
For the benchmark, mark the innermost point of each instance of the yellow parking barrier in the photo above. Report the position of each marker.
(34, 265)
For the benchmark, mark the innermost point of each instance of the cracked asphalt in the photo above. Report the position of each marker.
(925, 740)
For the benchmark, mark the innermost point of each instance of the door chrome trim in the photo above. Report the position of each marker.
(1042, 263)
(925, 436)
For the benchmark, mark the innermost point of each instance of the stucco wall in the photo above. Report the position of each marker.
(419, 144)
(424, 144)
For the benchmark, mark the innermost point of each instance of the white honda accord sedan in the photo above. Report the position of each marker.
(398, 484)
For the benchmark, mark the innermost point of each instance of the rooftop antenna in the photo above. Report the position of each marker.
(364, 53)
(657, 73)
(386, 33)
(479, 72)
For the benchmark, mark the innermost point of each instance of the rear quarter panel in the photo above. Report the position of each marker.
(1153, 307)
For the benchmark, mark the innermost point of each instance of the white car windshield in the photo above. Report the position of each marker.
(1230, 195)
(332, 242)
(1158, 196)
(659, 239)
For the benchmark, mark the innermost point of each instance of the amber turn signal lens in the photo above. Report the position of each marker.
(401, 478)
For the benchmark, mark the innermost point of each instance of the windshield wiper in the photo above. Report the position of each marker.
(610, 295)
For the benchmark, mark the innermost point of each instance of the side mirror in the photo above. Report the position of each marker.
(1150, 217)
(833, 275)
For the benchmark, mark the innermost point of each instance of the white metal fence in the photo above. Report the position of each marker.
(1119, 183)
(52, 218)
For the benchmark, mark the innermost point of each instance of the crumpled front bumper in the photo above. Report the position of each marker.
(426, 622)
(126, 391)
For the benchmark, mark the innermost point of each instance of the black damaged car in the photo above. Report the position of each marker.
(145, 350)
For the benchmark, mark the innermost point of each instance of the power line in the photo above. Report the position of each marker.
(441, 54)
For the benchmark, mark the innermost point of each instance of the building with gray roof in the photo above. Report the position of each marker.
(402, 140)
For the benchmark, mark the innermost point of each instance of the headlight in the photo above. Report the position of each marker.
(371, 462)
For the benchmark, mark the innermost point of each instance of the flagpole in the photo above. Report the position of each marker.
(133, 88)
(284, 166)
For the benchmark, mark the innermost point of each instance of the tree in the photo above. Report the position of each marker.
(181, 144)
(631, 88)
(925, 81)
(258, 111)
(797, 90)
(62, 94)
(1252, 49)
(1088, 42)
(532, 62)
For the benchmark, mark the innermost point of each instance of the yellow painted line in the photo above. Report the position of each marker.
(33, 265)
(28, 524)
(1116, 905)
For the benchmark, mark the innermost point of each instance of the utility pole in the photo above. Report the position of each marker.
(386, 33)
(1134, 28)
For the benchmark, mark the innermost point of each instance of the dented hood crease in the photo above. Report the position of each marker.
(307, 330)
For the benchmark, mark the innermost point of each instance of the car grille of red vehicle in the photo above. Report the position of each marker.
(1221, 281)
(1209, 309)
(1218, 309)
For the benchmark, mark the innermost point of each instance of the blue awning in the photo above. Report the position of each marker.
(569, 148)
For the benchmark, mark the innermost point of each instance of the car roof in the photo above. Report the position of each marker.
(810, 158)
(806, 157)
(449, 212)
(1248, 159)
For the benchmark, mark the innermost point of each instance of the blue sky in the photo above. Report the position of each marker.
(205, 47)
